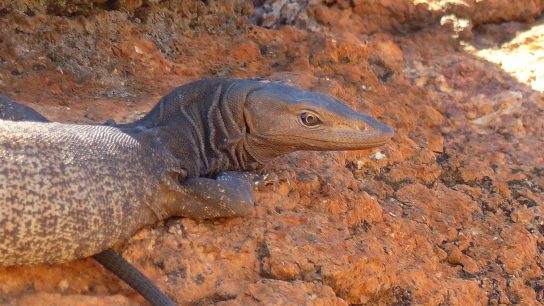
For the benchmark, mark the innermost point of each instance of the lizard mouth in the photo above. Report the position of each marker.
(359, 145)
(355, 141)
(368, 145)
(348, 139)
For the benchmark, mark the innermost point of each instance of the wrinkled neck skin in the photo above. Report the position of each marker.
(263, 149)
(203, 129)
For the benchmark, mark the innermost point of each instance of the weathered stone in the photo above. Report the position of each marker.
(449, 212)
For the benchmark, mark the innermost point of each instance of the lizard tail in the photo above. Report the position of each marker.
(134, 278)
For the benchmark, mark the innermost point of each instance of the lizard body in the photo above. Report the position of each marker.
(83, 201)
(70, 191)
(108, 258)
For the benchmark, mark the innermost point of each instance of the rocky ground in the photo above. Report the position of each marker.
(449, 213)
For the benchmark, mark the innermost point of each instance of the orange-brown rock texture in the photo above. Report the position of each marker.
(450, 212)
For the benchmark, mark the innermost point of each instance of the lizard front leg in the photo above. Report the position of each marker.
(230, 194)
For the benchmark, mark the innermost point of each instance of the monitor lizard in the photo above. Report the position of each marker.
(70, 191)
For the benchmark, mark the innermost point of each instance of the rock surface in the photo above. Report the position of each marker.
(450, 212)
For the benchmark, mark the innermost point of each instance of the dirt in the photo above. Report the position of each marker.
(450, 212)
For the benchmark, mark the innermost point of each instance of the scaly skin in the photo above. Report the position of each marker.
(71, 191)
(10, 110)
(64, 190)
(108, 258)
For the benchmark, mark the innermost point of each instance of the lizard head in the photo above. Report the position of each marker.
(281, 116)
(216, 124)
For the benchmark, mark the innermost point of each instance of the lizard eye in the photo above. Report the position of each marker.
(309, 119)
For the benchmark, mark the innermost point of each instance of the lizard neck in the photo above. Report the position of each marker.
(202, 126)
(262, 150)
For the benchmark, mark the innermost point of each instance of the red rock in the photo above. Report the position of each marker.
(74, 299)
(425, 173)
(475, 171)
(469, 265)
(366, 209)
(246, 52)
(442, 255)
(454, 255)
(457, 191)
(518, 250)
(361, 281)
(146, 53)
(128, 5)
(56, 89)
(281, 292)
(523, 215)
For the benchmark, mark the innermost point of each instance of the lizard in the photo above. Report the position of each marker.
(70, 191)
